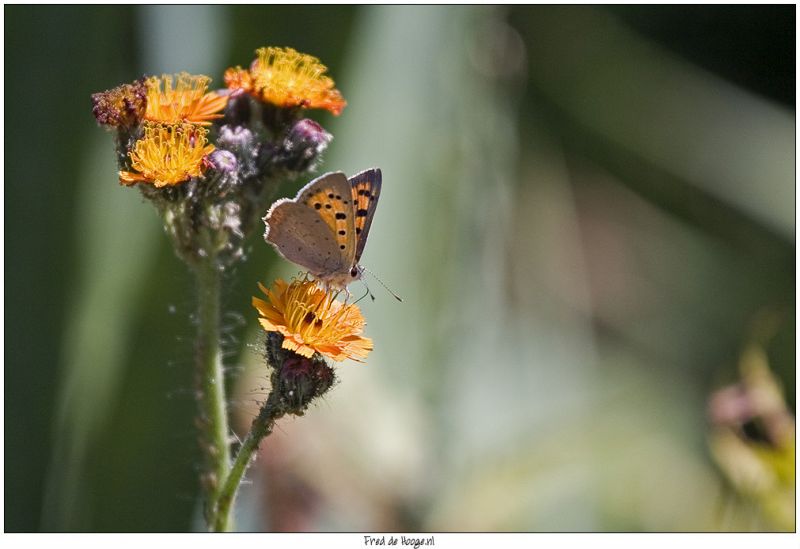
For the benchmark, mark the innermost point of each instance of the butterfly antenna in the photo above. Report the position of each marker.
(397, 297)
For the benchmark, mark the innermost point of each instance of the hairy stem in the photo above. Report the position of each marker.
(262, 426)
(213, 417)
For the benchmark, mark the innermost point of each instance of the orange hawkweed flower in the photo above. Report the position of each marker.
(312, 320)
(238, 79)
(186, 101)
(287, 78)
(168, 155)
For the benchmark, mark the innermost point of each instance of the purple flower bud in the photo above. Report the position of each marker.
(303, 379)
(224, 161)
(235, 138)
(237, 112)
(296, 379)
(307, 134)
(302, 147)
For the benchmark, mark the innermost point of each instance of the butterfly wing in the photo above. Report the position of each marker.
(316, 229)
(330, 198)
(365, 190)
(300, 235)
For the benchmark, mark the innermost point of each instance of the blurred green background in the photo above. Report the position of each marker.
(587, 211)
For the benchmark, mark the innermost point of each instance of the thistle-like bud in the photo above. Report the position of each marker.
(296, 380)
(238, 110)
(309, 137)
(235, 138)
(244, 145)
(302, 147)
(301, 380)
(223, 161)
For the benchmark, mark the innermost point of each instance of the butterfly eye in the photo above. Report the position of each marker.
(354, 272)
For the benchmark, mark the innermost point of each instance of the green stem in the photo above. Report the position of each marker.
(262, 426)
(213, 420)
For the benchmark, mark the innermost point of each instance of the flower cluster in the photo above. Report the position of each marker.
(210, 159)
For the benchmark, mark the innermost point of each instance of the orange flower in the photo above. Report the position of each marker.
(287, 78)
(187, 101)
(167, 155)
(312, 320)
(238, 79)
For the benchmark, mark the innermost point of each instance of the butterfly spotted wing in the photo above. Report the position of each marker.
(316, 229)
(366, 188)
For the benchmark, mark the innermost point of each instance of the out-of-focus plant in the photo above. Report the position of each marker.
(752, 439)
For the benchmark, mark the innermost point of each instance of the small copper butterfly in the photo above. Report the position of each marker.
(325, 227)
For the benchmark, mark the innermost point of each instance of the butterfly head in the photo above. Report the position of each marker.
(339, 281)
(356, 272)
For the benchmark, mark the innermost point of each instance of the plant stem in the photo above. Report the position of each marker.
(213, 419)
(262, 426)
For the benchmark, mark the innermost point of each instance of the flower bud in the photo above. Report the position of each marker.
(223, 161)
(244, 145)
(237, 112)
(307, 134)
(297, 380)
(235, 138)
(302, 380)
(302, 147)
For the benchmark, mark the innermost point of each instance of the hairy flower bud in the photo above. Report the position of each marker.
(302, 147)
(235, 138)
(303, 379)
(243, 143)
(223, 161)
(296, 380)
(238, 111)
(309, 136)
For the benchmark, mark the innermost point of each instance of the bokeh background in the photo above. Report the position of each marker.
(589, 213)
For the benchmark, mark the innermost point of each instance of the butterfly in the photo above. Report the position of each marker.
(325, 227)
